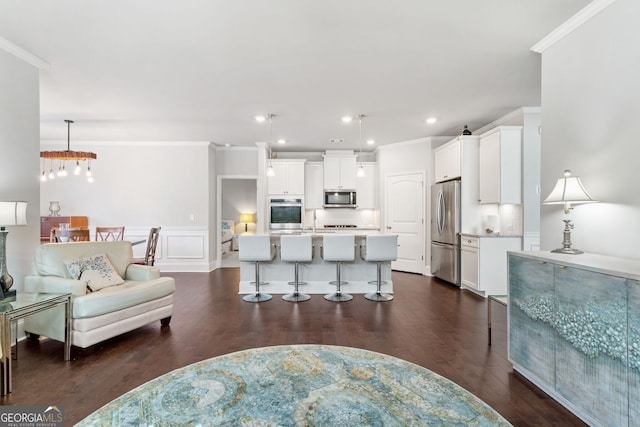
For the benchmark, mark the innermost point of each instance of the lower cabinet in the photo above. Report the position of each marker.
(483, 263)
(574, 330)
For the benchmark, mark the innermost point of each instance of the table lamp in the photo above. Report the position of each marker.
(11, 213)
(247, 218)
(568, 190)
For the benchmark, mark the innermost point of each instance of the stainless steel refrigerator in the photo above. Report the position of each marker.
(445, 231)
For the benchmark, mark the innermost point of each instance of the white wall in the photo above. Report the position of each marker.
(590, 112)
(19, 140)
(140, 185)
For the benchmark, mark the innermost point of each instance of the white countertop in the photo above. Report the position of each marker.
(493, 235)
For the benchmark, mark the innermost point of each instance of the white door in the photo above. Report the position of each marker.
(404, 216)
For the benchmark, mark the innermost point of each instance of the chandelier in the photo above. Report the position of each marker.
(64, 156)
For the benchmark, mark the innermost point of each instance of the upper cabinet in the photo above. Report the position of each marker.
(313, 188)
(366, 187)
(339, 172)
(288, 177)
(500, 166)
(447, 161)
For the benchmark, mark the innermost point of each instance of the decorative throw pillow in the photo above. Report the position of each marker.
(96, 271)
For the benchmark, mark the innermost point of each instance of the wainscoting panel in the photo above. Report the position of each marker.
(531, 241)
(180, 249)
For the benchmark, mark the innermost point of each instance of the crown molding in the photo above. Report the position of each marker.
(588, 12)
(23, 54)
(128, 143)
(516, 116)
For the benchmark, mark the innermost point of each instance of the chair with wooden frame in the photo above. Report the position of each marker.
(105, 234)
(60, 235)
(152, 243)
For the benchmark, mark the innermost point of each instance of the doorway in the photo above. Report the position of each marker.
(236, 195)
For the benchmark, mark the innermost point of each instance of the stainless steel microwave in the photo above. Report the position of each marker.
(340, 199)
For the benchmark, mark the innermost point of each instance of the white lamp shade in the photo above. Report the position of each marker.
(13, 213)
(568, 190)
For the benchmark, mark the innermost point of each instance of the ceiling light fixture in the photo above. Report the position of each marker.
(431, 120)
(64, 156)
(270, 171)
(370, 142)
(360, 172)
(347, 119)
(282, 141)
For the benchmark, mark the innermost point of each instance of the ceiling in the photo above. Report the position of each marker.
(200, 70)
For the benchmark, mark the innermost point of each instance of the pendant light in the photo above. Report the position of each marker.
(270, 170)
(66, 155)
(360, 173)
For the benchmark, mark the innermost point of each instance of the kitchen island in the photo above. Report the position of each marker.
(317, 273)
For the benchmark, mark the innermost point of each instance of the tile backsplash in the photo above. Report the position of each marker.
(510, 219)
(363, 218)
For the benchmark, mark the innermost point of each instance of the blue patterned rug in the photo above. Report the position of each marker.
(298, 385)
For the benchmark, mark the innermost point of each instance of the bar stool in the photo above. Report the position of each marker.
(296, 249)
(256, 248)
(338, 248)
(380, 249)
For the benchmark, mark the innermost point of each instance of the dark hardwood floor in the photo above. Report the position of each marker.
(429, 323)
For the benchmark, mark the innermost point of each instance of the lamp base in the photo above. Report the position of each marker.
(7, 296)
(569, 251)
(566, 241)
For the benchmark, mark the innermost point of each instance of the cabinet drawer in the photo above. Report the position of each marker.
(469, 241)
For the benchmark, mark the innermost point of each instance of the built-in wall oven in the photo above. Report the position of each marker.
(285, 214)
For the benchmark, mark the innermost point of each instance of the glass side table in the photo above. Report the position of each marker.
(500, 299)
(25, 305)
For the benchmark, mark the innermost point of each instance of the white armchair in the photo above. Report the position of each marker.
(141, 295)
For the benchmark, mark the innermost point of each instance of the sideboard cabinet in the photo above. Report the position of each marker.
(46, 222)
(574, 331)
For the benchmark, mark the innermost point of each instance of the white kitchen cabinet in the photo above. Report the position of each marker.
(483, 263)
(288, 177)
(340, 172)
(500, 166)
(366, 187)
(313, 187)
(447, 161)
(469, 261)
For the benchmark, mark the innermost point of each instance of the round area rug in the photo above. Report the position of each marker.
(298, 385)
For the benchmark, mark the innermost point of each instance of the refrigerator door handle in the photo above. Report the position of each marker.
(440, 214)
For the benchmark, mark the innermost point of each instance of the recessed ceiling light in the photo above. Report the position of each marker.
(260, 118)
(370, 141)
(431, 120)
(282, 141)
(347, 119)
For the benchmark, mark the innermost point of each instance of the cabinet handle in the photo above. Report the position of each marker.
(541, 262)
(562, 266)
